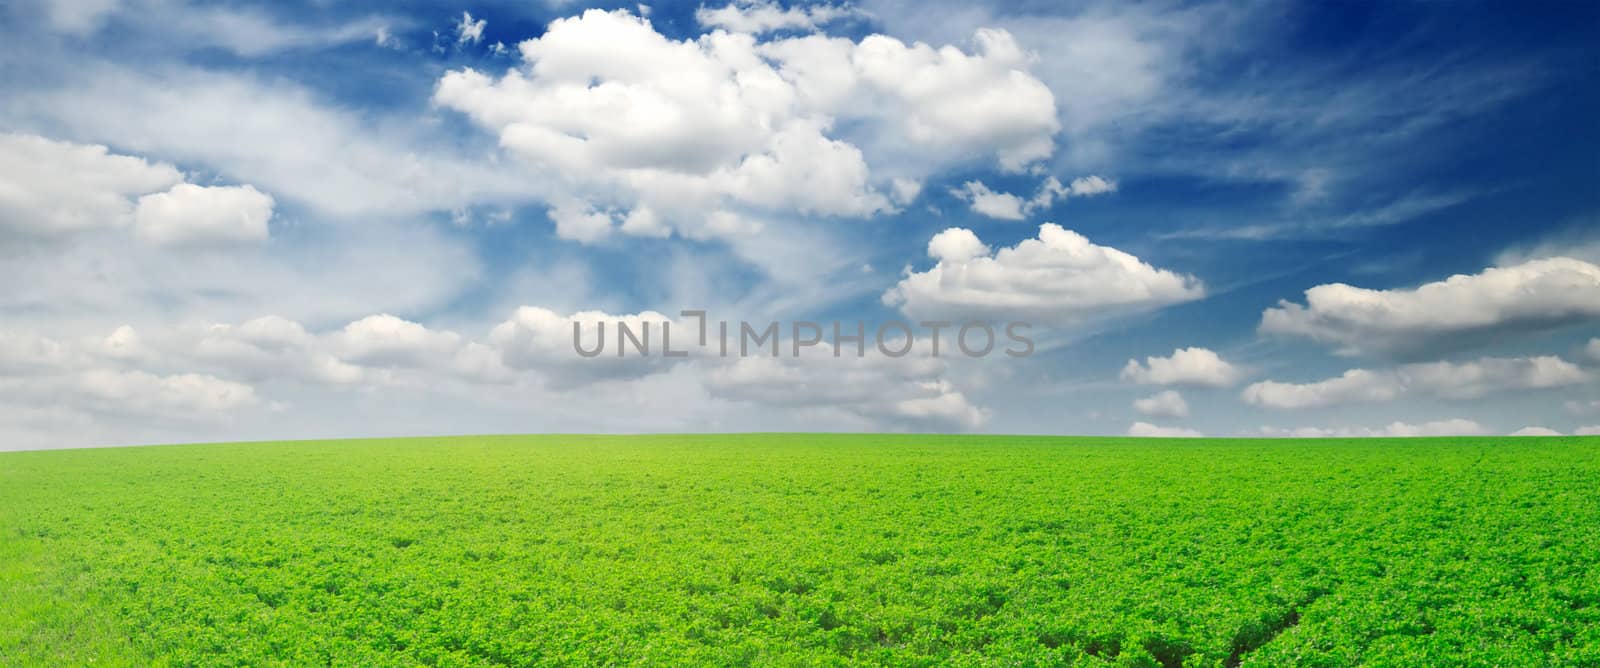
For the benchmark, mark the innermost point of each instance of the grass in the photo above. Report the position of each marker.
(804, 550)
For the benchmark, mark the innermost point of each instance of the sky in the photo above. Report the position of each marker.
(256, 221)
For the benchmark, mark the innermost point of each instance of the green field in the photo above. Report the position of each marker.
(804, 550)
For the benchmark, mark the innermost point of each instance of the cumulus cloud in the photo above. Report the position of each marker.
(1445, 380)
(1356, 385)
(203, 373)
(384, 339)
(1166, 403)
(218, 368)
(185, 395)
(49, 188)
(1147, 430)
(938, 100)
(1059, 278)
(903, 393)
(377, 350)
(904, 191)
(727, 124)
(1199, 367)
(191, 214)
(1535, 431)
(1450, 427)
(1498, 303)
(759, 16)
(52, 188)
(536, 344)
(1006, 206)
(956, 244)
(469, 31)
(541, 340)
(271, 347)
(1469, 380)
(1086, 186)
(102, 376)
(123, 343)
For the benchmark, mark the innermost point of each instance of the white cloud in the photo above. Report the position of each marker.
(685, 130)
(540, 340)
(1006, 206)
(1535, 431)
(537, 344)
(1088, 186)
(1147, 430)
(52, 188)
(1469, 380)
(1587, 430)
(761, 16)
(377, 350)
(249, 32)
(1446, 380)
(189, 214)
(271, 133)
(386, 340)
(1166, 403)
(217, 360)
(168, 381)
(578, 221)
(956, 244)
(104, 279)
(190, 396)
(244, 31)
(123, 343)
(1308, 432)
(1356, 385)
(469, 31)
(1458, 311)
(624, 119)
(1199, 367)
(1060, 278)
(94, 376)
(903, 393)
(942, 100)
(1052, 189)
(271, 348)
(48, 188)
(1450, 427)
(1592, 350)
(904, 191)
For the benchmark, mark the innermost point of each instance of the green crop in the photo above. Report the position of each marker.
(802, 550)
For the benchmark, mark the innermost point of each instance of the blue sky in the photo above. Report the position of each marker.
(283, 220)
